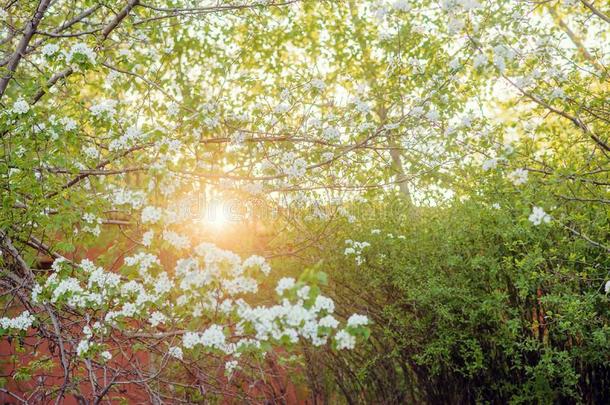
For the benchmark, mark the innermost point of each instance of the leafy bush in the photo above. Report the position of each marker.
(473, 304)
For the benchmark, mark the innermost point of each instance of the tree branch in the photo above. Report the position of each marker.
(23, 44)
(54, 79)
(596, 11)
(118, 18)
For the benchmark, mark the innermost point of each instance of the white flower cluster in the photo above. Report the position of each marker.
(558, 92)
(357, 320)
(491, 163)
(68, 125)
(291, 321)
(454, 7)
(151, 214)
(209, 285)
(418, 65)
(83, 347)
(345, 340)
(287, 320)
(518, 177)
(176, 240)
(480, 60)
(132, 135)
(144, 261)
(157, 318)
(257, 261)
(124, 196)
(293, 166)
(362, 106)
(173, 109)
(81, 49)
(69, 287)
(285, 283)
(147, 238)
(20, 106)
(433, 114)
(355, 248)
(212, 337)
(49, 49)
(230, 367)
(326, 156)
(91, 152)
(93, 222)
(401, 5)
(331, 134)
(176, 351)
(110, 79)
(104, 107)
(538, 216)
(22, 322)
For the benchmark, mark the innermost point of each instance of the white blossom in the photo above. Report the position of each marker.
(518, 177)
(345, 340)
(68, 123)
(190, 339)
(284, 284)
(36, 290)
(106, 107)
(257, 261)
(22, 322)
(303, 292)
(132, 135)
(230, 367)
(357, 320)
(91, 152)
(156, 318)
(213, 337)
(326, 156)
(20, 106)
(83, 347)
(490, 163)
(480, 60)
(176, 240)
(331, 133)
(538, 216)
(147, 238)
(324, 304)
(175, 352)
(49, 49)
(328, 321)
(81, 49)
(151, 214)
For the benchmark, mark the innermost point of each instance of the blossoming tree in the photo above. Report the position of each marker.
(167, 313)
(117, 116)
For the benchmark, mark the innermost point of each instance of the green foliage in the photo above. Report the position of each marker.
(471, 304)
